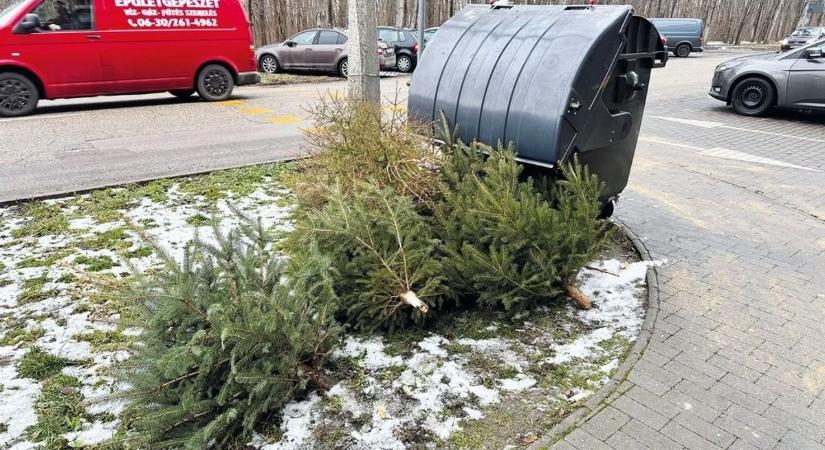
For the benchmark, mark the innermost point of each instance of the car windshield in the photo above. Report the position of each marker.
(7, 13)
(803, 32)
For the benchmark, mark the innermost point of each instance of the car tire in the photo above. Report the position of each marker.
(404, 64)
(18, 95)
(753, 97)
(215, 83)
(343, 68)
(682, 51)
(607, 210)
(182, 93)
(269, 64)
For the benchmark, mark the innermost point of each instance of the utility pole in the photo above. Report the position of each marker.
(363, 73)
(422, 18)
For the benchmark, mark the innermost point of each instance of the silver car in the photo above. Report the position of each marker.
(755, 84)
(318, 49)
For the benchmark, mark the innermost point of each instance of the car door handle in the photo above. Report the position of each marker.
(307, 49)
(93, 37)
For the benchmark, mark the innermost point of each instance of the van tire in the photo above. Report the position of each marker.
(18, 95)
(215, 83)
(682, 50)
(182, 93)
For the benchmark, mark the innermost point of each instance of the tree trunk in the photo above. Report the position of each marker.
(363, 57)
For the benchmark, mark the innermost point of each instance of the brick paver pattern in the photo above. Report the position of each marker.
(737, 359)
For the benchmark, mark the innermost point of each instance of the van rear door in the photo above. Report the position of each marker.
(65, 51)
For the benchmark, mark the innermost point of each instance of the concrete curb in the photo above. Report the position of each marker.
(600, 399)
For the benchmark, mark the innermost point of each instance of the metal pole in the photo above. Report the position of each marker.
(422, 17)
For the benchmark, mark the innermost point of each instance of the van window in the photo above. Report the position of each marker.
(328, 38)
(9, 11)
(65, 15)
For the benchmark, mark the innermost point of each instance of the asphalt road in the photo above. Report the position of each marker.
(79, 144)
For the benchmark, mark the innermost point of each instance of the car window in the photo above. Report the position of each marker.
(305, 38)
(388, 35)
(328, 38)
(342, 38)
(806, 32)
(65, 15)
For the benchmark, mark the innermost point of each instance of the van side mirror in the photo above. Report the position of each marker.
(290, 43)
(30, 23)
(815, 52)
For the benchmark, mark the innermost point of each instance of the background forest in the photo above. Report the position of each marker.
(732, 21)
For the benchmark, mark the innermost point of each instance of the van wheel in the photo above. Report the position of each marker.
(182, 93)
(18, 95)
(682, 51)
(343, 68)
(753, 97)
(215, 83)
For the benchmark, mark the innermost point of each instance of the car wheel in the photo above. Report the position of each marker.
(682, 51)
(182, 93)
(268, 64)
(753, 97)
(607, 210)
(18, 95)
(343, 68)
(215, 83)
(404, 64)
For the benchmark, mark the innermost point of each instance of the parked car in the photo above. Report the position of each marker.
(802, 36)
(318, 49)
(755, 84)
(405, 44)
(78, 48)
(683, 35)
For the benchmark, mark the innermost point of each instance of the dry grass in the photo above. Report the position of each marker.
(352, 142)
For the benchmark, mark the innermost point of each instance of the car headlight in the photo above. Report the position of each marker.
(784, 41)
(727, 66)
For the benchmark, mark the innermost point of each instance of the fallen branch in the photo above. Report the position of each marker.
(601, 270)
(411, 299)
(581, 300)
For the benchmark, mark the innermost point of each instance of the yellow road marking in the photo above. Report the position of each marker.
(285, 120)
(231, 103)
(254, 111)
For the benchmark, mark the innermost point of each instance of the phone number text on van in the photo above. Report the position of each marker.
(167, 3)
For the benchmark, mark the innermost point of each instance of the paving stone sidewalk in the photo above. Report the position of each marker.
(737, 357)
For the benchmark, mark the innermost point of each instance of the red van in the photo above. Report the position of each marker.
(77, 48)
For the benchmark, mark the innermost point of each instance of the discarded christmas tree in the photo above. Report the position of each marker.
(383, 252)
(230, 335)
(510, 241)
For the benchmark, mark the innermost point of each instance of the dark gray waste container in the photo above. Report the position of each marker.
(552, 80)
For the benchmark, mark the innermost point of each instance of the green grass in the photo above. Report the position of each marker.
(19, 334)
(41, 219)
(33, 290)
(40, 364)
(116, 239)
(141, 252)
(3, 427)
(5, 282)
(239, 182)
(59, 409)
(95, 263)
(198, 220)
(45, 261)
(104, 340)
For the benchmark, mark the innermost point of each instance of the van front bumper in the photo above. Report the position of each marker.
(245, 78)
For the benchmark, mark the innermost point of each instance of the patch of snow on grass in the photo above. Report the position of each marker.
(296, 424)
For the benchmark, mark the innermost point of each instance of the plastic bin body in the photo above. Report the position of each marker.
(552, 80)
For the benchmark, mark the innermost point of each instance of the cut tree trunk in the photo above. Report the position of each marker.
(581, 300)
